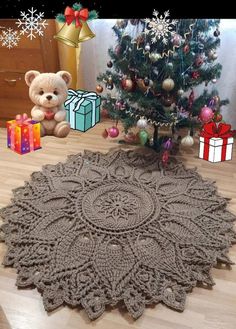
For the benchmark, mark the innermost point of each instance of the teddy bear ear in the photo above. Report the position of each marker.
(30, 76)
(66, 76)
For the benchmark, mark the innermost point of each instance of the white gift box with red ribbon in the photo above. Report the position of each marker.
(216, 142)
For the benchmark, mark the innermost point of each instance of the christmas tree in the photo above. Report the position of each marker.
(155, 66)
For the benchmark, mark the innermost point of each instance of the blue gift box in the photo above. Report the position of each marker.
(82, 109)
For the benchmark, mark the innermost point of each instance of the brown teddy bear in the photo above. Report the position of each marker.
(48, 91)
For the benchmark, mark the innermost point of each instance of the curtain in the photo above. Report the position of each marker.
(69, 58)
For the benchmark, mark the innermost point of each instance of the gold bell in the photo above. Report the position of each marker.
(85, 33)
(72, 35)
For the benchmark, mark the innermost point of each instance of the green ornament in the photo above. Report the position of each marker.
(143, 136)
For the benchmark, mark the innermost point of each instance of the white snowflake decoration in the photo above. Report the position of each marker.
(160, 28)
(32, 23)
(9, 38)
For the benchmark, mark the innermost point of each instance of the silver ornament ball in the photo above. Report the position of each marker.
(147, 47)
(142, 123)
(214, 56)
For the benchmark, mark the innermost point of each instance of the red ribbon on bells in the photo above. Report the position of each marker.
(211, 130)
(77, 15)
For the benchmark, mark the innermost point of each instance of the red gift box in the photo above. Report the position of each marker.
(216, 142)
(23, 134)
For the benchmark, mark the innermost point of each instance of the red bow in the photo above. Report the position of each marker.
(77, 15)
(211, 130)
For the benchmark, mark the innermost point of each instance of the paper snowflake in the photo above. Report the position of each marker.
(32, 23)
(9, 38)
(160, 28)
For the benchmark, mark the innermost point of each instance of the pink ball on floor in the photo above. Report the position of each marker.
(113, 132)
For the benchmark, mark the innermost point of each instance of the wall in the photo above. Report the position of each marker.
(227, 57)
(94, 58)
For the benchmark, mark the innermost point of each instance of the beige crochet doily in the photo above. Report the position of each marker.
(102, 229)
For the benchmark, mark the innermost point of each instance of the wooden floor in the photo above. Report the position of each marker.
(23, 309)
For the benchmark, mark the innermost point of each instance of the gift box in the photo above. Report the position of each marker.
(83, 109)
(216, 142)
(23, 134)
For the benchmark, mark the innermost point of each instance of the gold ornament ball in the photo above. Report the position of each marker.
(168, 84)
(212, 54)
(154, 57)
(99, 89)
(122, 23)
(141, 85)
(180, 92)
(110, 79)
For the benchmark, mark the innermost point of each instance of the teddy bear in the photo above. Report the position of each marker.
(48, 91)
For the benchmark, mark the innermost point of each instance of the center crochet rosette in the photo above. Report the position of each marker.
(102, 229)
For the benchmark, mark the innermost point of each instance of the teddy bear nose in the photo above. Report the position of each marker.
(49, 97)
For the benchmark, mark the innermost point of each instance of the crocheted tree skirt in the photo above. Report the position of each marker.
(102, 229)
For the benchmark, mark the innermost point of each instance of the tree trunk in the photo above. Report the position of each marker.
(155, 138)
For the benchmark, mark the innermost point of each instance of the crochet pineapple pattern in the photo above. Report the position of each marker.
(106, 228)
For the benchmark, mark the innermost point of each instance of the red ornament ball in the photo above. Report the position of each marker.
(104, 113)
(195, 75)
(127, 84)
(109, 64)
(113, 132)
(176, 40)
(130, 138)
(218, 117)
(118, 50)
(186, 48)
(206, 114)
(199, 60)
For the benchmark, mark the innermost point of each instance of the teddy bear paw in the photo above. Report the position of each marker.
(62, 129)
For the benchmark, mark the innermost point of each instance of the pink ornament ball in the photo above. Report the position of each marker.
(113, 132)
(206, 114)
